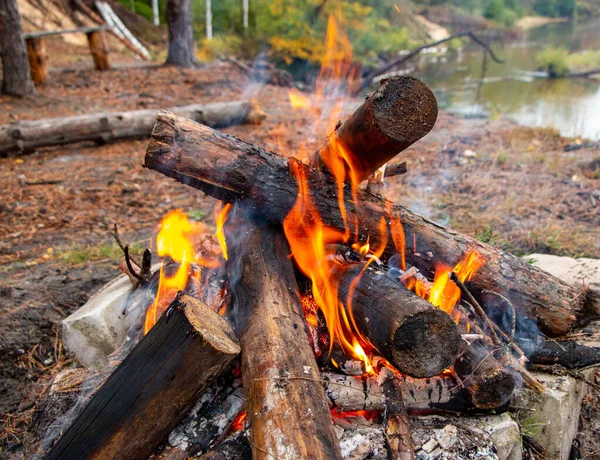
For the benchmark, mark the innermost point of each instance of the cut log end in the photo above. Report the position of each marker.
(492, 389)
(214, 329)
(425, 343)
(409, 120)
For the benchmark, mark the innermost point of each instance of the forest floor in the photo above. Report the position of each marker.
(513, 186)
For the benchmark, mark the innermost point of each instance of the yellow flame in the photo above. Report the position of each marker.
(220, 234)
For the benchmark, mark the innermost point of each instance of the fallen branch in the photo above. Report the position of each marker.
(402, 59)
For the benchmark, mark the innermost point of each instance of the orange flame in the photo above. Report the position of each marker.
(444, 293)
(175, 240)
(220, 234)
(240, 422)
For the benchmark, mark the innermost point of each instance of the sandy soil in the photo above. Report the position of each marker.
(513, 186)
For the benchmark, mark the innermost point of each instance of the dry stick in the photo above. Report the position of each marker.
(367, 80)
(478, 309)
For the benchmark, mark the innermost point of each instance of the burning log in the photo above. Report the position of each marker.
(132, 413)
(288, 414)
(398, 114)
(230, 169)
(104, 127)
(489, 383)
(419, 339)
(436, 395)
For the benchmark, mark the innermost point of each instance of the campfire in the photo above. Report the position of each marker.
(316, 302)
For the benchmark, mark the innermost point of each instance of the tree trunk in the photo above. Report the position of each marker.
(245, 8)
(132, 413)
(105, 127)
(99, 50)
(155, 13)
(288, 414)
(181, 34)
(209, 30)
(38, 60)
(16, 79)
(230, 169)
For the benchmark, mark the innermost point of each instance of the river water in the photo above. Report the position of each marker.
(572, 106)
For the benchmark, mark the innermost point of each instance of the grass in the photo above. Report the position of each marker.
(78, 253)
(584, 60)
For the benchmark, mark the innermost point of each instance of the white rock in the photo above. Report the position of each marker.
(100, 326)
(502, 430)
(557, 412)
(429, 445)
(577, 272)
(447, 436)
(469, 153)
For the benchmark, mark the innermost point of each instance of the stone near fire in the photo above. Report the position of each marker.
(101, 325)
(502, 430)
(576, 272)
(554, 415)
(363, 443)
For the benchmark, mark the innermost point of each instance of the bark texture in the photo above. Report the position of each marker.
(181, 34)
(230, 169)
(132, 413)
(16, 79)
(288, 414)
(398, 114)
(419, 339)
(101, 127)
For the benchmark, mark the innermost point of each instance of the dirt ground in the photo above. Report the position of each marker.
(512, 186)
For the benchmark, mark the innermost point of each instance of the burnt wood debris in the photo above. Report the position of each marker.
(469, 364)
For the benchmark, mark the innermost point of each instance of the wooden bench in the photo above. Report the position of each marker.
(36, 50)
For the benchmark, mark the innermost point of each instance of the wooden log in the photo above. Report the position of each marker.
(439, 394)
(106, 127)
(288, 414)
(490, 384)
(235, 448)
(132, 413)
(99, 49)
(396, 424)
(38, 60)
(230, 169)
(398, 114)
(419, 339)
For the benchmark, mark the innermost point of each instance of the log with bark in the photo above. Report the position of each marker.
(489, 383)
(288, 414)
(134, 410)
(419, 339)
(102, 127)
(230, 169)
(398, 114)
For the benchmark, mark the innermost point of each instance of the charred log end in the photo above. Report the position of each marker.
(404, 110)
(425, 344)
(492, 389)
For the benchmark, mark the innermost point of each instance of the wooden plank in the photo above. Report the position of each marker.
(48, 33)
(133, 412)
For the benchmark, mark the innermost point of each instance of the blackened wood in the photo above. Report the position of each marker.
(569, 354)
(235, 448)
(106, 127)
(398, 114)
(132, 413)
(99, 49)
(396, 424)
(38, 60)
(288, 414)
(490, 384)
(230, 169)
(16, 79)
(419, 339)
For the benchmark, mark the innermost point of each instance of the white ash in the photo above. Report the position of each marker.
(362, 443)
